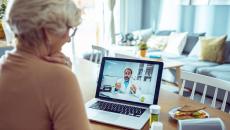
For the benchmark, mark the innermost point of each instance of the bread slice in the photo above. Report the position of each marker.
(188, 108)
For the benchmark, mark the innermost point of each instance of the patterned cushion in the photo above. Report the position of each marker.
(157, 42)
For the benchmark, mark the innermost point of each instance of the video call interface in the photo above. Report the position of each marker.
(129, 81)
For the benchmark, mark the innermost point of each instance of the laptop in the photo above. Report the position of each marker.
(125, 90)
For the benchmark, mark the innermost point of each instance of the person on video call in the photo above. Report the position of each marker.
(126, 84)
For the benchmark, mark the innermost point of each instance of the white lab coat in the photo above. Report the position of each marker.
(127, 90)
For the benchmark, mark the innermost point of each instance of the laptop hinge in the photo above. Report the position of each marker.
(126, 102)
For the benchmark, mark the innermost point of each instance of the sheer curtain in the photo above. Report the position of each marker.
(111, 30)
(105, 32)
(97, 27)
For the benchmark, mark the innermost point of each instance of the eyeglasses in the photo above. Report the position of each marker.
(72, 31)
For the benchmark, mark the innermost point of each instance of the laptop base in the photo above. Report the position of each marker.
(121, 120)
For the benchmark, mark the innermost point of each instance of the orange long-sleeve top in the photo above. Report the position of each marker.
(38, 95)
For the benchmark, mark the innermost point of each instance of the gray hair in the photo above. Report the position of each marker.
(27, 18)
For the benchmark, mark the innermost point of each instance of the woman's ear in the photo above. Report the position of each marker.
(47, 39)
(46, 36)
(66, 36)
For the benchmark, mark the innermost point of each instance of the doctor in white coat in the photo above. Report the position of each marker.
(127, 85)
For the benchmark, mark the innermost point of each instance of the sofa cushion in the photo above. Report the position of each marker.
(220, 71)
(191, 64)
(171, 56)
(191, 42)
(196, 50)
(221, 75)
(176, 43)
(227, 52)
(157, 42)
(212, 48)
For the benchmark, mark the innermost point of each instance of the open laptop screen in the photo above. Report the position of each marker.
(129, 80)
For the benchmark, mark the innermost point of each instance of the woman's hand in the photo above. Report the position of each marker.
(59, 58)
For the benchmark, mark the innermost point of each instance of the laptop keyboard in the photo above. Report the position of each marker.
(118, 108)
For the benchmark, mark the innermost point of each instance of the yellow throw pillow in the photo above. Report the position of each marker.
(212, 49)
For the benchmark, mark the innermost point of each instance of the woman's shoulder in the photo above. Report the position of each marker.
(59, 78)
(58, 71)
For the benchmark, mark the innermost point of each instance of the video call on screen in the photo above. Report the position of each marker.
(129, 81)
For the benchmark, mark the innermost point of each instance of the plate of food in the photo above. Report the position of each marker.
(188, 112)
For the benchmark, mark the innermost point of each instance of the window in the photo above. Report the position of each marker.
(92, 29)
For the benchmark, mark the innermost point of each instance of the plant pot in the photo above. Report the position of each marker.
(2, 34)
(142, 53)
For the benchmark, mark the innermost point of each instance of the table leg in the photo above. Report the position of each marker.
(178, 81)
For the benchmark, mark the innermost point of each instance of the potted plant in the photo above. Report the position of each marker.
(2, 13)
(143, 48)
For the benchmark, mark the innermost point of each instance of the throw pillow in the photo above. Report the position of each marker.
(157, 42)
(227, 52)
(212, 49)
(191, 41)
(164, 32)
(176, 43)
(196, 50)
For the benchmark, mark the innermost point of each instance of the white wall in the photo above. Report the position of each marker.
(212, 19)
(169, 16)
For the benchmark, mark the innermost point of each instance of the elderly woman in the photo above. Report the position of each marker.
(38, 91)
